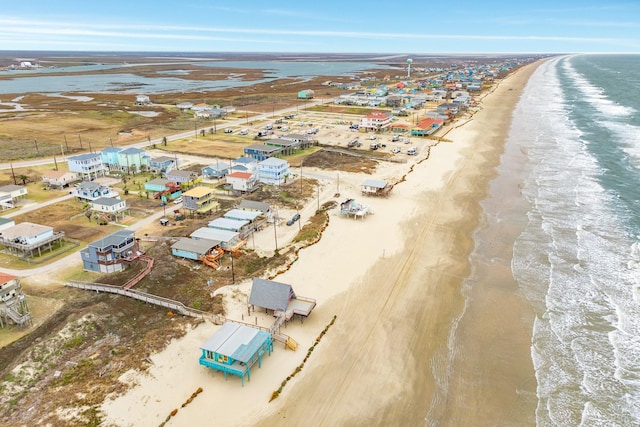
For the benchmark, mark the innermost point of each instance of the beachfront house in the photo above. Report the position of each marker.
(280, 298)
(235, 348)
(59, 179)
(88, 166)
(426, 127)
(376, 187)
(114, 252)
(273, 171)
(200, 200)
(26, 238)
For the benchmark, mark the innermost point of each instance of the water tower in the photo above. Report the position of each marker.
(409, 62)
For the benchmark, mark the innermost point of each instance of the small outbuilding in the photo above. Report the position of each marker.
(376, 187)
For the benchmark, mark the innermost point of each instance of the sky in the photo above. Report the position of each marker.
(348, 26)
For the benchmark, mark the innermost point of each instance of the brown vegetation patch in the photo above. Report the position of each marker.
(342, 162)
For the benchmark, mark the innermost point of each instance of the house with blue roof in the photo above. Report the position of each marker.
(216, 170)
(244, 164)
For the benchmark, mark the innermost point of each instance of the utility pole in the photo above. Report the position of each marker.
(13, 174)
(275, 234)
(233, 273)
(80, 139)
(65, 142)
(35, 141)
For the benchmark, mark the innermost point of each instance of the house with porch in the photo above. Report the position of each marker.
(286, 146)
(87, 190)
(132, 160)
(13, 305)
(10, 194)
(200, 200)
(375, 121)
(193, 249)
(163, 189)
(184, 178)
(280, 298)
(163, 164)
(261, 151)
(235, 348)
(229, 240)
(243, 182)
(273, 171)
(59, 179)
(26, 238)
(112, 253)
(112, 207)
(304, 141)
(88, 166)
(426, 127)
(376, 187)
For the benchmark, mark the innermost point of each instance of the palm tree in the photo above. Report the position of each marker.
(23, 178)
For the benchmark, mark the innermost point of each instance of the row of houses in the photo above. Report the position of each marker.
(89, 166)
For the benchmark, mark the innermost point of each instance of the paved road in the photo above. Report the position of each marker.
(158, 141)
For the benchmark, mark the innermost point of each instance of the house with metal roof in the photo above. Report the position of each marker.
(280, 298)
(376, 187)
(216, 170)
(235, 348)
(229, 240)
(26, 238)
(111, 206)
(240, 226)
(87, 166)
(193, 249)
(243, 182)
(255, 206)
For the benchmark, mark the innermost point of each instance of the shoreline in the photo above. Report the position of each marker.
(379, 362)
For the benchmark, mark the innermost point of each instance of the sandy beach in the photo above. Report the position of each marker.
(414, 341)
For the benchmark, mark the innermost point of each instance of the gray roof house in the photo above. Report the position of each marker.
(280, 298)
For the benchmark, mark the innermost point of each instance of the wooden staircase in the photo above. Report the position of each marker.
(134, 281)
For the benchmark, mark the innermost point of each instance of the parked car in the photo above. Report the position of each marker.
(395, 150)
(164, 222)
(293, 219)
(178, 201)
(228, 130)
(395, 138)
(372, 137)
(412, 151)
(244, 132)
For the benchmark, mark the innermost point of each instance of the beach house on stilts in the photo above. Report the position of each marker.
(235, 348)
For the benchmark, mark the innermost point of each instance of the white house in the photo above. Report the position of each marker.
(87, 166)
(109, 205)
(375, 121)
(244, 164)
(242, 181)
(273, 171)
(143, 100)
(9, 194)
(59, 178)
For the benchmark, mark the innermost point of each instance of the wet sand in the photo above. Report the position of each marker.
(417, 342)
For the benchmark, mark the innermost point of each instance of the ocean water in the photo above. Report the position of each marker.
(578, 259)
